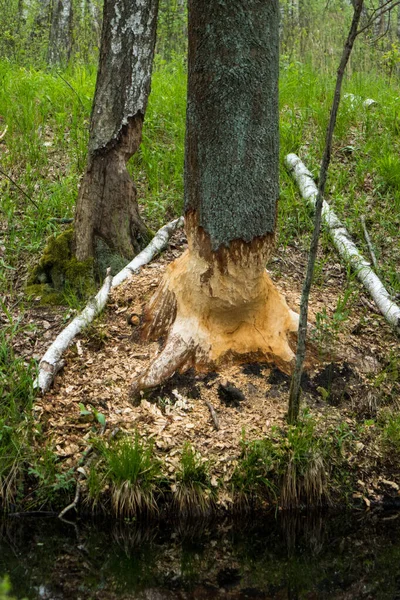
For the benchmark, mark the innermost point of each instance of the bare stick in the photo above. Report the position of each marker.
(369, 243)
(52, 360)
(213, 413)
(50, 363)
(344, 244)
(74, 503)
(19, 188)
(295, 389)
(4, 133)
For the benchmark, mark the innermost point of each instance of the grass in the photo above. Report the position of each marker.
(192, 493)
(292, 468)
(135, 476)
(44, 154)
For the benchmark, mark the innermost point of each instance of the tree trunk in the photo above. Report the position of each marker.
(60, 33)
(107, 222)
(216, 301)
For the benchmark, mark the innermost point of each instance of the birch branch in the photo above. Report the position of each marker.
(345, 246)
(52, 362)
(157, 244)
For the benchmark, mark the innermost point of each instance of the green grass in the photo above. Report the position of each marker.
(192, 493)
(300, 466)
(134, 473)
(44, 153)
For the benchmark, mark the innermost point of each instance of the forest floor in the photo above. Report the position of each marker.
(349, 385)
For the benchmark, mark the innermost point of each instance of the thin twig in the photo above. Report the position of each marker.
(19, 188)
(213, 413)
(4, 133)
(369, 244)
(375, 15)
(74, 503)
(61, 220)
(295, 386)
(70, 86)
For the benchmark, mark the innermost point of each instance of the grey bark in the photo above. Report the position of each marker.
(60, 41)
(107, 214)
(232, 148)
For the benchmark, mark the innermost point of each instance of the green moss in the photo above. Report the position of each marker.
(59, 275)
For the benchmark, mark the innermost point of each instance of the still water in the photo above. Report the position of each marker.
(350, 556)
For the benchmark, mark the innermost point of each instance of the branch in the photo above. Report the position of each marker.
(295, 387)
(4, 133)
(19, 188)
(377, 13)
(345, 246)
(52, 362)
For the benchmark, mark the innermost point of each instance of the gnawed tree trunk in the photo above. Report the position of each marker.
(107, 222)
(60, 33)
(216, 301)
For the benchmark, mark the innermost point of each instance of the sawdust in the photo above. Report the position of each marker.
(102, 363)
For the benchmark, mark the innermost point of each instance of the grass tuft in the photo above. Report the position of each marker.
(193, 494)
(135, 476)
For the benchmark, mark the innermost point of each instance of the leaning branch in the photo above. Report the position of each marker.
(345, 246)
(52, 362)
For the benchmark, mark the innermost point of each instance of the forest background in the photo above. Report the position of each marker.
(48, 63)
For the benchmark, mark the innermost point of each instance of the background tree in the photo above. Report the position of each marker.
(60, 40)
(216, 301)
(107, 218)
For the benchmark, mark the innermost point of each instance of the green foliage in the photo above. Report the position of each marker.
(193, 493)
(135, 475)
(5, 589)
(292, 467)
(390, 433)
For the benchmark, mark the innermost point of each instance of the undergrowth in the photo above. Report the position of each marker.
(192, 493)
(292, 468)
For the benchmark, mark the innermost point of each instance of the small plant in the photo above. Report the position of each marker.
(291, 467)
(391, 434)
(192, 492)
(135, 475)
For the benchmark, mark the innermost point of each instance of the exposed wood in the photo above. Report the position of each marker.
(216, 302)
(52, 360)
(345, 246)
(213, 414)
(213, 307)
(108, 225)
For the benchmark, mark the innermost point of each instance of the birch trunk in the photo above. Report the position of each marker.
(60, 41)
(107, 221)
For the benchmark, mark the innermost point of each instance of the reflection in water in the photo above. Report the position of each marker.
(285, 557)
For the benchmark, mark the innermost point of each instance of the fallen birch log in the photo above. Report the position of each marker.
(157, 244)
(52, 362)
(344, 245)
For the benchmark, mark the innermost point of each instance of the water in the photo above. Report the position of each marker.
(320, 556)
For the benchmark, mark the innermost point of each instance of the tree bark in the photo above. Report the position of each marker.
(216, 301)
(60, 33)
(107, 220)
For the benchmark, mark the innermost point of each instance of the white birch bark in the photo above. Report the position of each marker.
(345, 246)
(51, 362)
